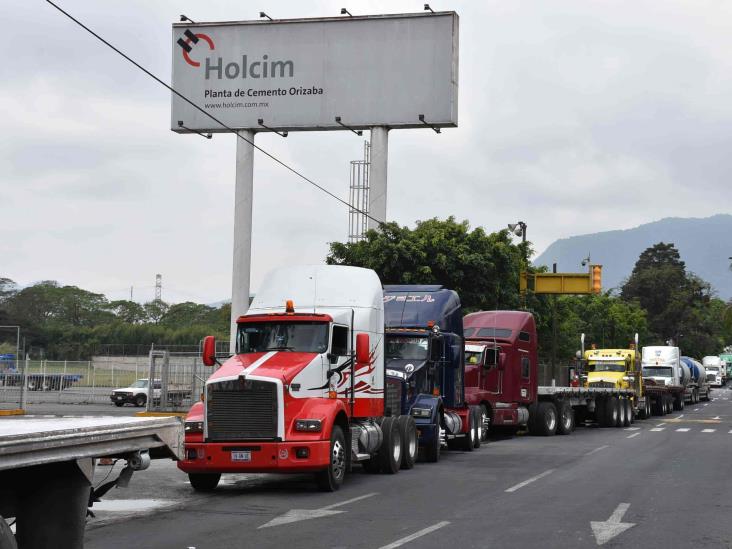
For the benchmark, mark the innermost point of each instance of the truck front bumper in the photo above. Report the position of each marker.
(263, 457)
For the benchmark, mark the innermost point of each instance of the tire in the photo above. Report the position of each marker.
(533, 425)
(478, 426)
(467, 443)
(204, 482)
(390, 453)
(547, 419)
(408, 436)
(611, 412)
(119, 404)
(677, 403)
(601, 412)
(628, 413)
(432, 451)
(657, 407)
(620, 421)
(7, 538)
(565, 418)
(485, 419)
(580, 415)
(140, 401)
(330, 479)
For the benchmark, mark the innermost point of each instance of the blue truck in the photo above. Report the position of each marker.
(11, 377)
(425, 367)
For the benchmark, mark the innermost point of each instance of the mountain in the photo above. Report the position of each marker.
(704, 244)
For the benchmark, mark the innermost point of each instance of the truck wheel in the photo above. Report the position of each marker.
(7, 539)
(601, 411)
(119, 404)
(628, 412)
(620, 421)
(140, 401)
(478, 426)
(657, 407)
(533, 424)
(565, 415)
(547, 419)
(467, 443)
(330, 479)
(204, 482)
(485, 419)
(649, 410)
(432, 451)
(390, 453)
(408, 435)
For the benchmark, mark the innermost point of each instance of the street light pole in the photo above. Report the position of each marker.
(17, 358)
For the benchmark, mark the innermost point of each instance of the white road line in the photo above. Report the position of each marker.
(632, 429)
(716, 417)
(682, 415)
(696, 409)
(660, 425)
(682, 430)
(708, 430)
(730, 433)
(529, 481)
(633, 435)
(419, 534)
(706, 405)
(359, 498)
(658, 429)
(596, 450)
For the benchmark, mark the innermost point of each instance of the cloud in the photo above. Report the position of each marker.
(574, 117)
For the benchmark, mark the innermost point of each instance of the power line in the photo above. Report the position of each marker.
(212, 117)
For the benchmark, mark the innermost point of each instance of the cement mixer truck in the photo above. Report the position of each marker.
(698, 387)
(665, 378)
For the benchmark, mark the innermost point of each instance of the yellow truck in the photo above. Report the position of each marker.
(616, 369)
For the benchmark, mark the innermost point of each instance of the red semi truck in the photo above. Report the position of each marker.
(501, 377)
(305, 390)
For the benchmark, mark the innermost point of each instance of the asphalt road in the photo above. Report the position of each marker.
(661, 483)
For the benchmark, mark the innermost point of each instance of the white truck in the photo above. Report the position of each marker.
(713, 365)
(47, 465)
(665, 377)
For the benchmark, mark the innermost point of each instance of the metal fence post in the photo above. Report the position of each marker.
(24, 385)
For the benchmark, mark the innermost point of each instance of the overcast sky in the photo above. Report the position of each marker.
(574, 116)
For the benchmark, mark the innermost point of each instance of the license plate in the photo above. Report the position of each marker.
(241, 456)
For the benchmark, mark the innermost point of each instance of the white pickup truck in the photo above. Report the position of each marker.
(138, 393)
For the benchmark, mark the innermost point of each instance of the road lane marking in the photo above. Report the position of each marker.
(682, 430)
(606, 530)
(419, 534)
(352, 500)
(529, 481)
(596, 450)
(682, 415)
(730, 432)
(633, 435)
(296, 515)
(660, 425)
(658, 429)
(696, 409)
(632, 429)
(707, 404)
(708, 430)
(716, 417)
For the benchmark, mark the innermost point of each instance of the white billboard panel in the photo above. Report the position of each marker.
(300, 74)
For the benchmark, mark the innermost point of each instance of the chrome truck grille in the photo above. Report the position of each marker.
(241, 410)
(602, 385)
(393, 397)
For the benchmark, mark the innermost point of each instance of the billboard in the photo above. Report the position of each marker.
(300, 74)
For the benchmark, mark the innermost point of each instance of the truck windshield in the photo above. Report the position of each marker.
(712, 369)
(472, 357)
(657, 372)
(606, 367)
(301, 337)
(412, 348)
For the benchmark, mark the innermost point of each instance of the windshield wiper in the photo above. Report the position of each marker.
(282, 348)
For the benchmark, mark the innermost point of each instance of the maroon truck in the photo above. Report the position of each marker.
(501, 376)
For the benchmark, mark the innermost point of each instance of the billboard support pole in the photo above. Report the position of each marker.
(243, 195)
(377, 175)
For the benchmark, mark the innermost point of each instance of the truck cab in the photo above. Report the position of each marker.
(502, 377)
(612, 368)
(713, 365)
(305, 389)
(425, 366)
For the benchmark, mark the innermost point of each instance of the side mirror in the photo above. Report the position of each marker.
(501, 362)
(363, 349)
(208, 354)
(435, 349)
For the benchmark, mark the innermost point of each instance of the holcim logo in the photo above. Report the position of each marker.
(193, 39)
(216, 68)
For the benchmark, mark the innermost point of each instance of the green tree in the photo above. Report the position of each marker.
(155, 310)
(186, 314)
(127, 311)
(482, 268)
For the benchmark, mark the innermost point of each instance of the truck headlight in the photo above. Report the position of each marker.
(421, 412)
(308, 425)
(194, 427)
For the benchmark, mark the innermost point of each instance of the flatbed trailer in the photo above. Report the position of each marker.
(47, 466)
